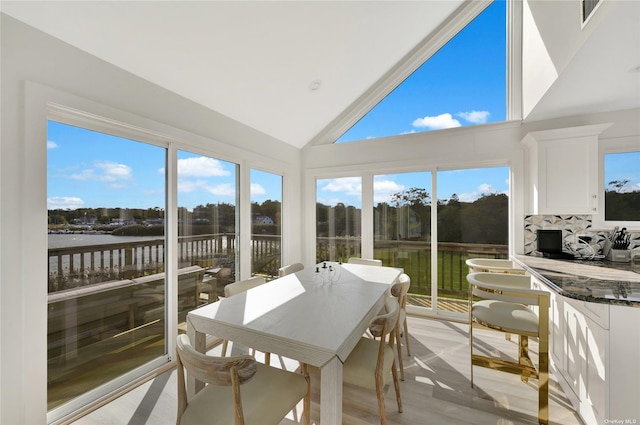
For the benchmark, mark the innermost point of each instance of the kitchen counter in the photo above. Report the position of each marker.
(586, 280)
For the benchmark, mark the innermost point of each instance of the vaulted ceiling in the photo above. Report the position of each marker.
(286, 68)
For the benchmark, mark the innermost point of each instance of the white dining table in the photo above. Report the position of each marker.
(315, 316)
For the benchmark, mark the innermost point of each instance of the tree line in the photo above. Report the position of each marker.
(408, 217)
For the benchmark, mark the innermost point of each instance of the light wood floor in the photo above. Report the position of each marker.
(436, 389)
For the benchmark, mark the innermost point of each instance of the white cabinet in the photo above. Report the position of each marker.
(562, 170)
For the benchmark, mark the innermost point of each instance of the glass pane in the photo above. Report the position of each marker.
(266, 229)
(207, 229)
(622, 186)
(106, 303)
(473, 221)
(462, 84)
(402, 228)
(338, 218)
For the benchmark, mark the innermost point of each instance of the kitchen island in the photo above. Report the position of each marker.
(595, 333)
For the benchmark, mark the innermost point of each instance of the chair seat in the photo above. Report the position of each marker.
(260, 402)
(358, 367)
(507, 316)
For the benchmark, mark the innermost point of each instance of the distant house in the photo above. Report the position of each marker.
(263, 219)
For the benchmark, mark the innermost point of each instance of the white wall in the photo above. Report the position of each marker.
(63, 72)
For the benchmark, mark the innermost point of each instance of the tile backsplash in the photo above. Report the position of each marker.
(570, 225)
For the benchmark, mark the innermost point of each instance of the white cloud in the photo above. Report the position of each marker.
(330, 201)
(112, 171)
(223, 189)
(383, 189)
(633, 188)
(439, 122)
(64, 202)
(51, 144)
(351, 186)
(109, 172)
(483, 189)
(186, 186)
(257, 189)
(475, 117)
(201, 167)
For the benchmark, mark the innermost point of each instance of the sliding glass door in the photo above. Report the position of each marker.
(472, 217)
(470, 209)
(207, 229)
(402, 228)
(266, 223)
(338, 218)
(106, 287)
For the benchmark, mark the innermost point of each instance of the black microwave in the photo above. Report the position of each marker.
(550, 243)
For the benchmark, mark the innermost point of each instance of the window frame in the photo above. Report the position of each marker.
(86, 120)
(610, 146)
(43, 103)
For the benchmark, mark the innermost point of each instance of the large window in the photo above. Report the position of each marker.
(207, 229)
(463, 84)
(338, 218)
(266, 224)
(622, 187)
(106, 287)
(469, 207)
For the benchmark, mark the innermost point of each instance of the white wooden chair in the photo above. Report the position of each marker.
(237, 288)
(291, 268)
(399, 291)
(365, 261)
(240, 390)
(504, 306)
(371, 361)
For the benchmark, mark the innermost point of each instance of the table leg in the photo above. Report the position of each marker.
(198, 341)
(331, 393)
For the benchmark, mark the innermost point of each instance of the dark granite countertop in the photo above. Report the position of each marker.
(598, 281)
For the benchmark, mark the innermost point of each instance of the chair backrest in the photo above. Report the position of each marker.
(506, 287)
(385, 323)
(222, 371)
(291, 268)
(400, 289)
(244, 285)
(365, 261)
(493, 265)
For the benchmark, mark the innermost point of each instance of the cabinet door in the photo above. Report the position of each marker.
(568, 176)
(562, 170)
(556, 326)
(596, 340)
(574, 341)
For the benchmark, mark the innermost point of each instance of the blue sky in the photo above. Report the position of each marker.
(462, 84)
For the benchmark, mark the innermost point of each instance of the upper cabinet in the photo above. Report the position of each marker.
(562, 170)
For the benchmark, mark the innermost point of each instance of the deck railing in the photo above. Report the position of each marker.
(77, 266)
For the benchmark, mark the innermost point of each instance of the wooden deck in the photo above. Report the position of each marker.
(447, 304)
(437, 389)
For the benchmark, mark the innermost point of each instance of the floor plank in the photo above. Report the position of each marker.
(437, 389)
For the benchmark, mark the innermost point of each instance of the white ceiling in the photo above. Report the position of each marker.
(604, 75)
(257, 61)
(253, 61)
